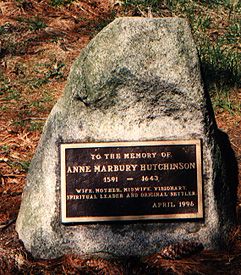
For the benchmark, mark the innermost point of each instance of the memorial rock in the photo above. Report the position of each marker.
(133, 102)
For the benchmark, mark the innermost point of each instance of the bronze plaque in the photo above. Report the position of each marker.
(121, 181)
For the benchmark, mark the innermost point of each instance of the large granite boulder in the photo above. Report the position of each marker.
(137, 80)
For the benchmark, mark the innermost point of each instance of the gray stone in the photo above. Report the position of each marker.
(137, 80)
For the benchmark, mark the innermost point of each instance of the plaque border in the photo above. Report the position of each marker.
(198, 215)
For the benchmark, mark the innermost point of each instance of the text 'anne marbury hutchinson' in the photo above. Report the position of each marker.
(131, 167)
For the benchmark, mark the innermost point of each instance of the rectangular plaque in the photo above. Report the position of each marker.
(121, 181)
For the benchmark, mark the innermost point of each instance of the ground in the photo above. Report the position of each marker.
(39, 41)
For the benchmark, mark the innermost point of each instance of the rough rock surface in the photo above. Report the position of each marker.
(137, 80)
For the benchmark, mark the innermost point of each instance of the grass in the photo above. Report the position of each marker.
(221, 66)
(12, 38)
(57, 3)
(36, 126)
(34, 23)
(49, 72)
(224, 100)
(21, 165)
(233, 34)
(8, 92)
(153, 4)
(5, 148)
